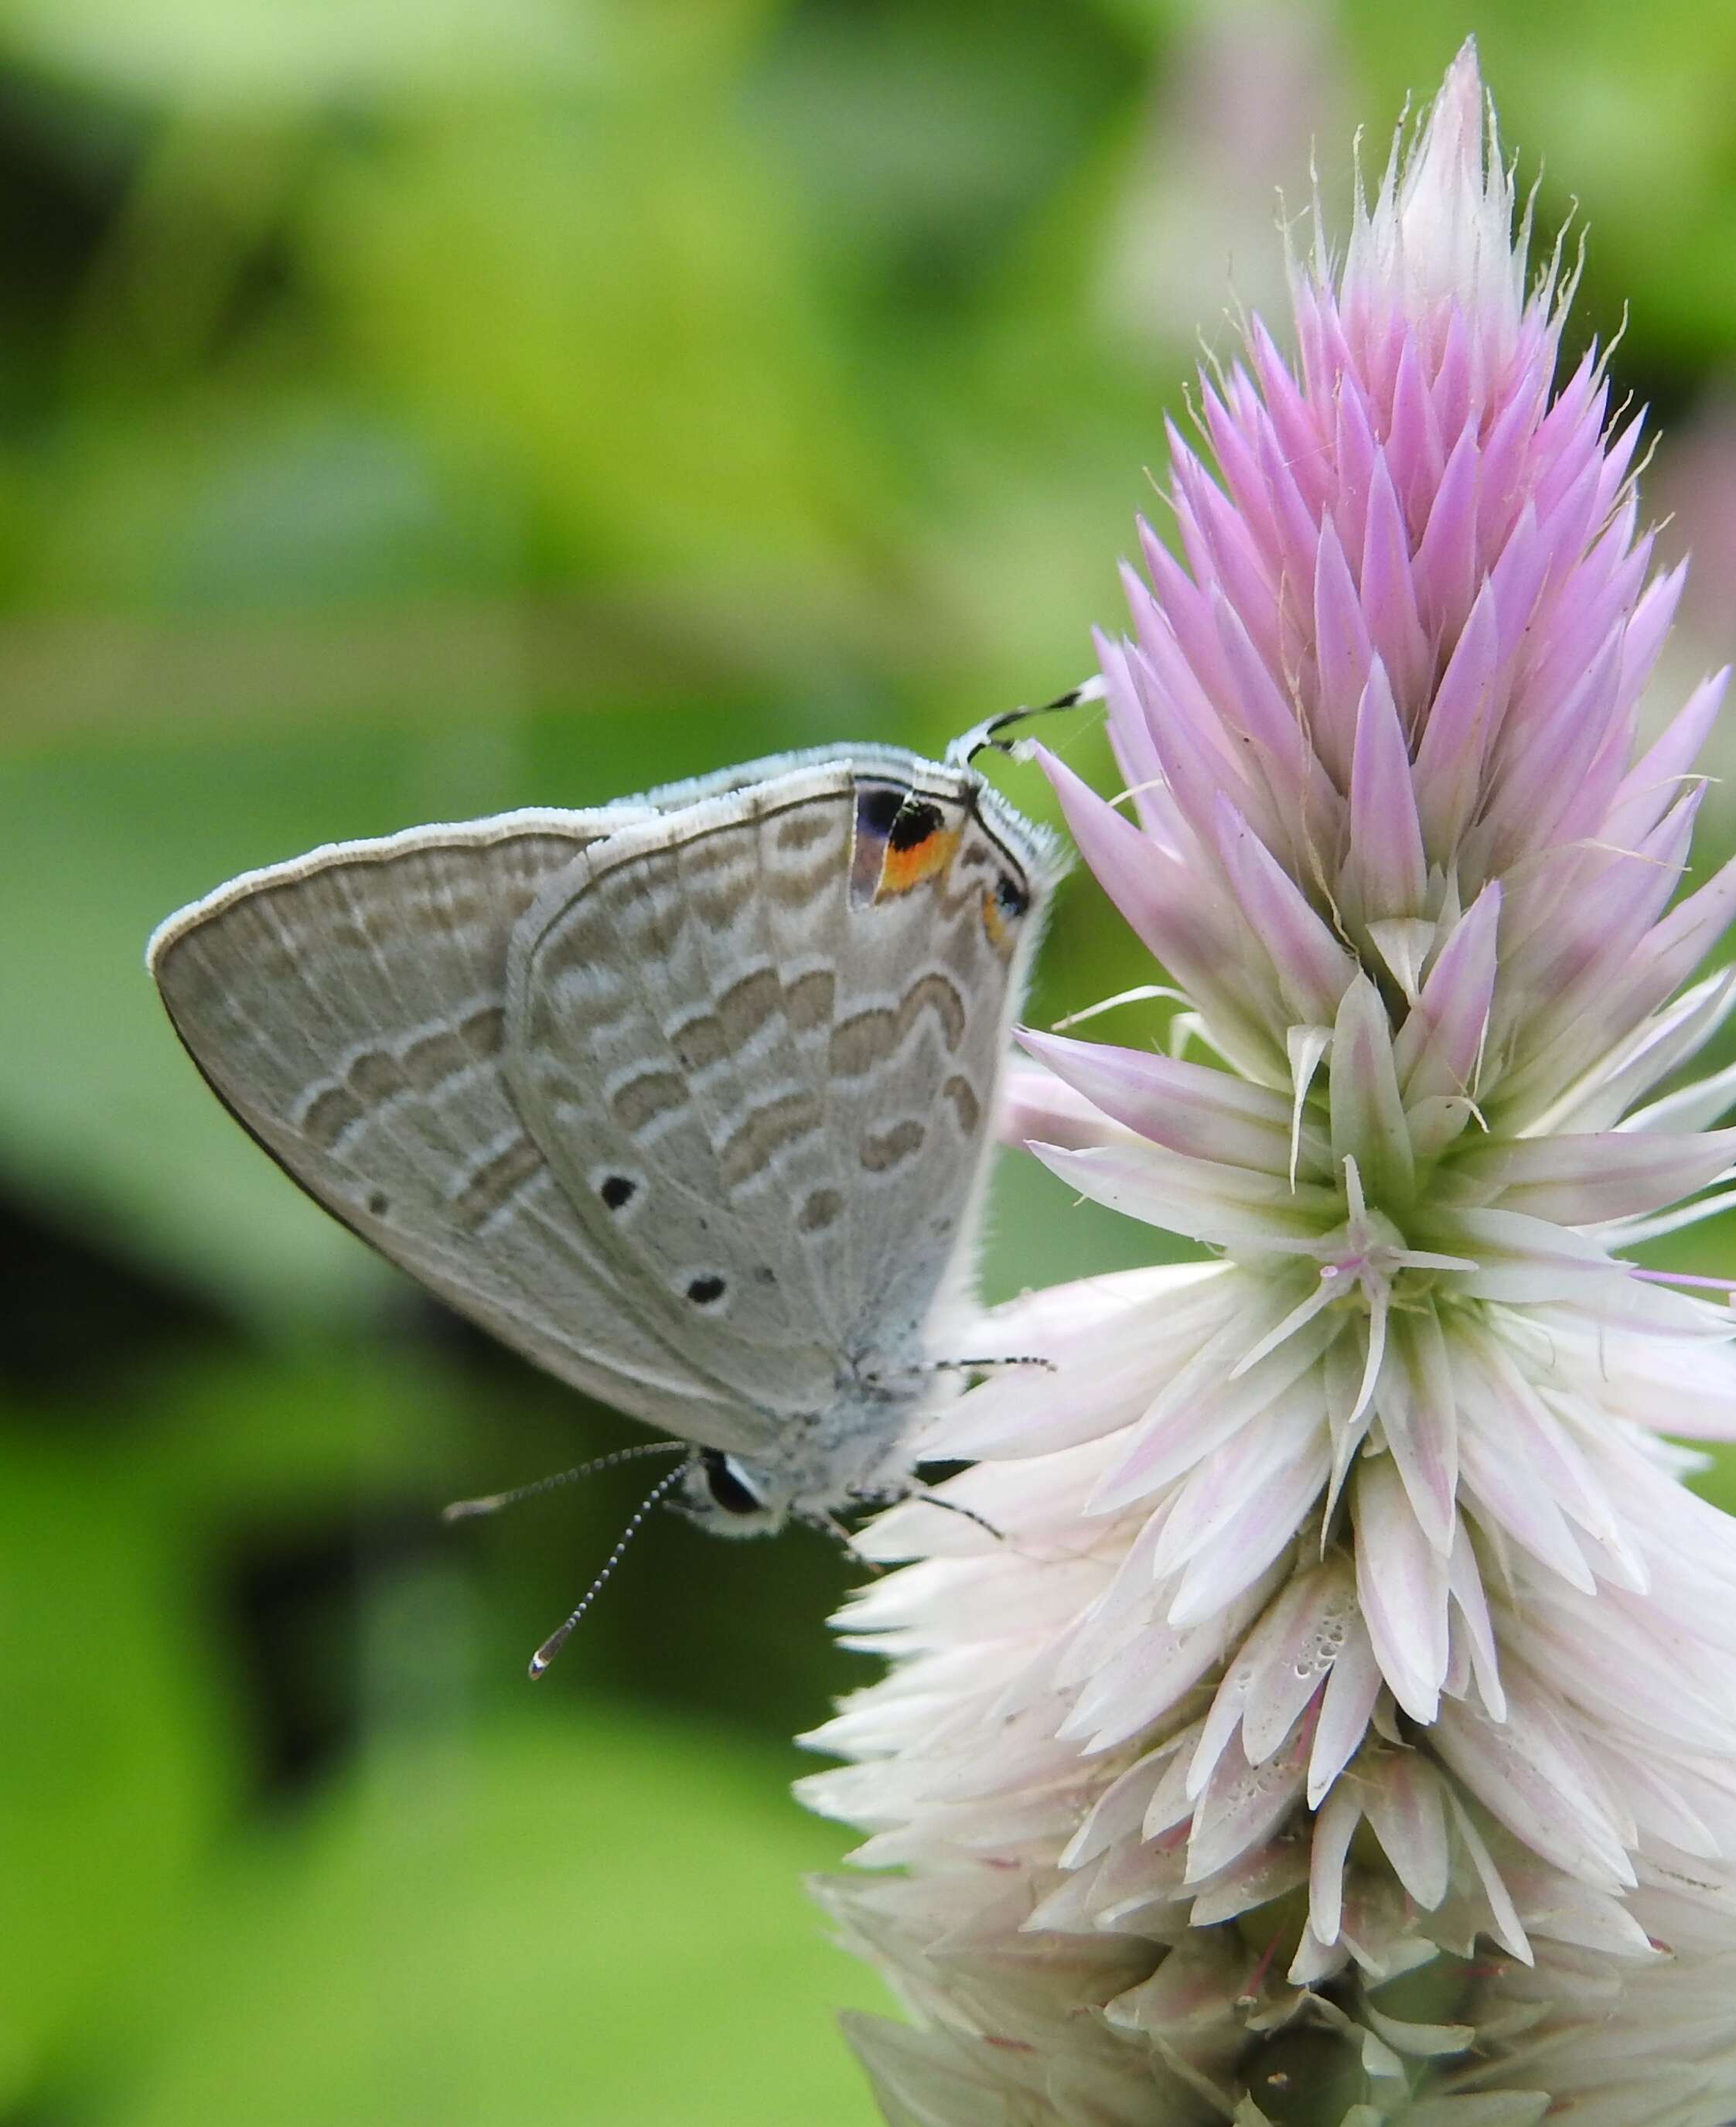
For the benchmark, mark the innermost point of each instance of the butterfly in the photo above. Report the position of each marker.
(688, 1097)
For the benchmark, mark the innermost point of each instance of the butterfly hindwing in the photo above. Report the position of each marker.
(759, 1041)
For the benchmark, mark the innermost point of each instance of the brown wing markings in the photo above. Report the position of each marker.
(881, 1150)
(873, 1036)
(493, 1184)
(966, 1106)
(764, 1131)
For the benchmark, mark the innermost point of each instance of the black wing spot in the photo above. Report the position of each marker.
(765, 1274)
(705, 1292)
(379, 1204)
(913, 825)
(877, 809)
(1010, 895)
(617, 1190)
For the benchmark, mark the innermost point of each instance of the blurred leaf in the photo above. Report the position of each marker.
(116, 1769)
(597, 1918)
(294, 1430)
(279, 51)
(918, 145)
(259, 499)
(649, 371)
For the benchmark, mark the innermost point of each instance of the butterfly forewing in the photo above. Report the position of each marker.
(349, 1009)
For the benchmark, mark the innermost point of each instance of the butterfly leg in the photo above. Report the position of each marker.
(934, 1499)
(816, 1518)
(989, 1365)
(920, 1493)
(985, 1366)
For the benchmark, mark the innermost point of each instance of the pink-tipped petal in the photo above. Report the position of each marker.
(1035, 1103)
(1437, 1050)
(1387, 869)
(1311, 968)
(1367, 1110)
(1206, 1114)
(1608, 1174)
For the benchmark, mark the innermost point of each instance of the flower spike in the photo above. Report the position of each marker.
(1346, 1728)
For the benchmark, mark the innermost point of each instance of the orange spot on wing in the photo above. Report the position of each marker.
(995, 925)
(904, 869)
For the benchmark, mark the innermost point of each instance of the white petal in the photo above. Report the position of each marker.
(1465, 1581)
(1404, 1806)
(1203, 1407)
(1401, 1582)
(1241, 1806)
(1522, 1260)
(1419, 1416)
(1502, 1491)
(1257, 1530)
(1515, 1769)
(1300, 1659)
(1142, 1684)
(1117, 1812)
(1367, 1110)
(1110, 1350)
(1344, 1711)
(1504, 1922)
(1334, 1828)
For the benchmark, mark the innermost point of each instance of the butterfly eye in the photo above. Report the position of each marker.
(727, 1487)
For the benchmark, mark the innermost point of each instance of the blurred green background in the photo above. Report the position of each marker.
(407, 411)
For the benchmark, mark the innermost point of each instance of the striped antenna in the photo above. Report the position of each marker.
(464, 1510)
(557, 1640)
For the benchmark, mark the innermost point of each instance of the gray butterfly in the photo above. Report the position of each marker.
(686, 1097)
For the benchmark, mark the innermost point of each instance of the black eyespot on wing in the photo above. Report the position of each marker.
(617, 1190)
(705, 1292)
(1010, 896)
(379, 1204)
(877, 808)
(913, 825)
(725, 1488)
